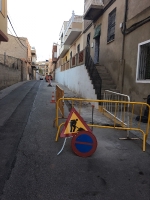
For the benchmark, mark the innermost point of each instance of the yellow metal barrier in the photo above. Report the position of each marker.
(60, 94)
(128, 121)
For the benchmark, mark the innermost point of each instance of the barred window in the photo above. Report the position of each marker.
(143, 62)
(111, 26)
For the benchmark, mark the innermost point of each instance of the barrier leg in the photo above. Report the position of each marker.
(144, 142)
(58, 131)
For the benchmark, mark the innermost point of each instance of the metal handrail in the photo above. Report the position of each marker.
(92, 70)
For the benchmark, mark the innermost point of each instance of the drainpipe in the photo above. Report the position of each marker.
(123, 43)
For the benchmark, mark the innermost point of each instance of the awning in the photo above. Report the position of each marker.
(97, 31)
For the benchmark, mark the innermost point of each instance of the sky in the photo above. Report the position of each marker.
(41, 21)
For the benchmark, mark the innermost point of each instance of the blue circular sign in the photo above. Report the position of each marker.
(84, 143)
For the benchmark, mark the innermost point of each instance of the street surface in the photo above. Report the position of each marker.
(31, 170)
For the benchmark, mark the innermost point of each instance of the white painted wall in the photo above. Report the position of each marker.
(78, 81)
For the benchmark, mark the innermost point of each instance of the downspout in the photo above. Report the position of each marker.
(123, 43)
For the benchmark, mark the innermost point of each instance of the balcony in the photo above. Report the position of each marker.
(77, 60)
(33, 63)
(92, 9)
(33, 51)
(63, 50)
(54, 53)
(73, 29)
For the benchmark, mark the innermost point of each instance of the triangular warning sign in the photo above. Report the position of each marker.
(74, 124)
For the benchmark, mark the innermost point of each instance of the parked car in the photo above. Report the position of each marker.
(41, 77)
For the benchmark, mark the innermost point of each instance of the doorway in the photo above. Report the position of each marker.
(97, 43)
(96, 53)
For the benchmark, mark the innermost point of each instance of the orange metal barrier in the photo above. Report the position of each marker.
(60, 94)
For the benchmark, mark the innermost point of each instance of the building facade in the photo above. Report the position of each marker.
(3, 21)
(19, 48)
(117, 35)
(122, 42)
(33, 62)
(43, 67)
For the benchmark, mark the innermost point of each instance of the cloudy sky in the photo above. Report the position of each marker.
(41, 21)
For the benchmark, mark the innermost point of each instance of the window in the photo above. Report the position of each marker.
(70, 54)
(88, 40)
(111, 26)
(78, 48)
(143, 62)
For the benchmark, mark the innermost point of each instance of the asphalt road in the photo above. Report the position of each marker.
(31, 170)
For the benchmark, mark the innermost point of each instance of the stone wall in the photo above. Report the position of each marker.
(11, 74)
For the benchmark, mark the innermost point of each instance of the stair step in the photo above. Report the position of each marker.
(102, 74)
(101, 69)
(104, 82)
(108, 87)
(105, 77)
(108, 82)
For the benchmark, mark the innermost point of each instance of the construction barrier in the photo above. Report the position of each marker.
(110, 111)
(60, 94)
(127, 121)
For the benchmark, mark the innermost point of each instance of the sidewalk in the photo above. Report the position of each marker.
(9, 89)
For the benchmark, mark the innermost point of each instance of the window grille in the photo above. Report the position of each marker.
(111, 26)
(143, 63)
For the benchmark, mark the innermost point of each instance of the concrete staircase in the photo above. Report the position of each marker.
(107, 81)
(99, 75)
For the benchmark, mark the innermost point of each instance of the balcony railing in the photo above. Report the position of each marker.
(88, 3)
(77, 60)
(74, 18)
(92, 8)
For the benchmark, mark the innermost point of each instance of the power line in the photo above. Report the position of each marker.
(14, 25)
(15, 31)
(17, 40)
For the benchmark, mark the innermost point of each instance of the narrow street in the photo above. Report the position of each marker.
(31, 170)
